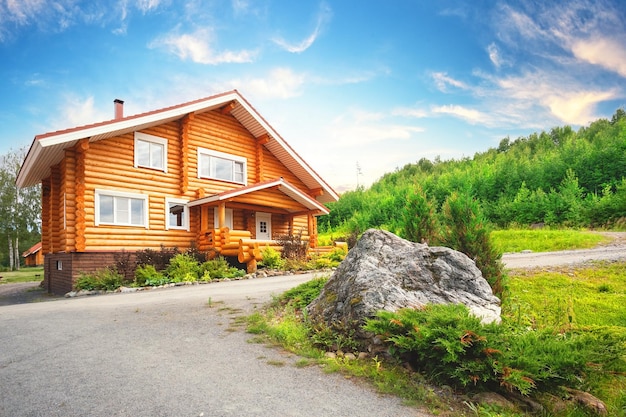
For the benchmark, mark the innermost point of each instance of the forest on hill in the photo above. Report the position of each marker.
(560, 178)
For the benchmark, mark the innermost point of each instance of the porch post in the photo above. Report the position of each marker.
(312, 224)
(221, 214)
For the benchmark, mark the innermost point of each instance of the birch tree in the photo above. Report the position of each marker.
(20, 209)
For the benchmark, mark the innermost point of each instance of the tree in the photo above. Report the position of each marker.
(466, 230)
(19, 209)
(419, 219)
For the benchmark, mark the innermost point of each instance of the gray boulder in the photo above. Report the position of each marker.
(386, 272)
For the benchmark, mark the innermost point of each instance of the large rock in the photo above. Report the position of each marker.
(385, 272)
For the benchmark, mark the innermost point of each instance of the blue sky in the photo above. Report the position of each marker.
(357, 87)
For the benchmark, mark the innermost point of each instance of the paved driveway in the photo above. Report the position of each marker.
(165, 353)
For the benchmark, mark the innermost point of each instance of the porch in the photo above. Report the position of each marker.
(242, 222)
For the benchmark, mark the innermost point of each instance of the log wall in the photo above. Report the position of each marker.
(68, 195)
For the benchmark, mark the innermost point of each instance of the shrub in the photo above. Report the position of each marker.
(103, 279)
(218, 268)
(124, 265)
(453, 347)
(467, 230)
(418, 220)
(293, 247)
(159, 259)
(147, 275)
(271, 258)
(183, 268)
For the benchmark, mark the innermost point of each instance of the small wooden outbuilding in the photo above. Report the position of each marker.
(33, 256)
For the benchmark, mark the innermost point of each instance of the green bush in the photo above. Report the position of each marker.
(466, 230)
(453, 347)
(218, 268)
(147, 275)
(271, 258)
(183, 268)
(103, 279)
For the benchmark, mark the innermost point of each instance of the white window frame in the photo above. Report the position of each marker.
(228, 218)
(208, 153)
(122, 194)
(151, 139)
(184, 203)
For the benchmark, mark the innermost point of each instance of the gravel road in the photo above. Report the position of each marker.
(169, 352)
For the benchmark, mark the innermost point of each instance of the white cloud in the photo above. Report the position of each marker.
(279, 83)
(78, 111)
(442, 81)
(323, 17)
(472, 116)
(357, 128)
(410, 112)
(605, 52)
(198, 47)
(494, 55)
(567, 100)
(147, 5)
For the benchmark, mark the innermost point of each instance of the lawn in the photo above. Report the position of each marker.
(545, 240)
(25, 274)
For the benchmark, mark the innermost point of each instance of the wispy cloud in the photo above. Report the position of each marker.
(358, 127)
(198, 47)
(443, 81)
(495, 55)
(563, 54)
(279, 83)
(59, 15)
(323, 17)
(470, 115)
(78, 111)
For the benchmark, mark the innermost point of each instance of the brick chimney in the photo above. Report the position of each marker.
(119, 108)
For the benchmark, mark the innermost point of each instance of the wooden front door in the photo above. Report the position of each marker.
(263, 226)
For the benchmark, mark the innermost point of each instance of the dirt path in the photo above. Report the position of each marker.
(611, 251)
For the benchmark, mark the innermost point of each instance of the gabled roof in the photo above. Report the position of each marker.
(47, 150)
(289, 190)
(36, 248)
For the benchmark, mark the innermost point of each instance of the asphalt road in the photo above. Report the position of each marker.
(169, 352)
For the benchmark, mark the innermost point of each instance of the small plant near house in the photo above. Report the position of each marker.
(124, 265)
(159, 259)
(148, 276)
(271, 258)
(183, 268)
(106, 279)
(293, 246)
(218, 268)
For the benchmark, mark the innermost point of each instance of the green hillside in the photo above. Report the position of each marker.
(560, 178)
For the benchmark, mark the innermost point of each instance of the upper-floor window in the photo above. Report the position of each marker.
(177, 214)
(150, 151)
(221, 166)
(121, 209)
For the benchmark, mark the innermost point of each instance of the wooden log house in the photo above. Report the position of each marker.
(210, 172)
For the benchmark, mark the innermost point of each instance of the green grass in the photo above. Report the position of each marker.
(26, 274)
(566, 297)
(545, 240)
(589, 300)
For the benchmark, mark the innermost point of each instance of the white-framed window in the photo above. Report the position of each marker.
(177, 214)
(150, 152)
(221, 166)
(228, 219)
(121, 208)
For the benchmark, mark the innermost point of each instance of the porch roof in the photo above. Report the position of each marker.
(279, 184)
